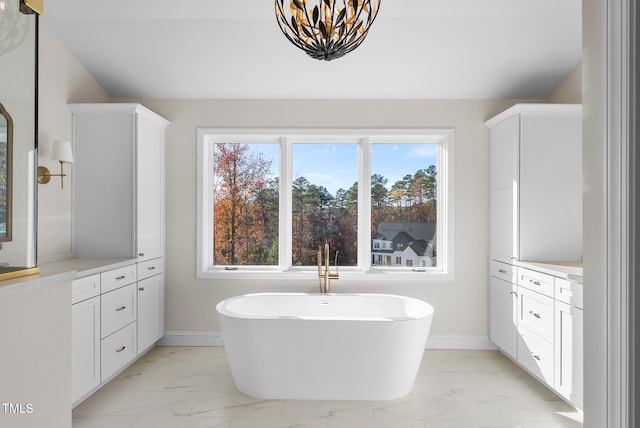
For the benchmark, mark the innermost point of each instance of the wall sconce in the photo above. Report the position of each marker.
(60, 151)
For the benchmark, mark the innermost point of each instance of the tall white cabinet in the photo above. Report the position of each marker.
(119, 214)
(118, 181)
(536, 183)
(536, 241)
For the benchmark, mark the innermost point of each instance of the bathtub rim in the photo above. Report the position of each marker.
(427, 310)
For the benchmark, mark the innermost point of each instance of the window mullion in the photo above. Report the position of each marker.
(286, 204)
(364, 204)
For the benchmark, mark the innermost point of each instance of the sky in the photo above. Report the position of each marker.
(335, 166)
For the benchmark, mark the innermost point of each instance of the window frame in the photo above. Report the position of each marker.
(364, 138)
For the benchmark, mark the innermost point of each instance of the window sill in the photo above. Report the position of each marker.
(297, 275)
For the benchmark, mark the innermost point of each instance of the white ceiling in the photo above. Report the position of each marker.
(416, 49)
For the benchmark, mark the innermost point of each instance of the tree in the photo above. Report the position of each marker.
(379, 199)
(242, 194)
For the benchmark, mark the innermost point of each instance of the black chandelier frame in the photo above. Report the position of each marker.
(323, 30)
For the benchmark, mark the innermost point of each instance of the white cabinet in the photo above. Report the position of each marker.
(536, 179)
(117, 350)
(150, 302)
(118, 308)
(119, 213)
(118, 181)
(569, 353)
(117, 315)
(503, 307)
(536, 216)
(150, 310)
(503, 321)
(85, 347)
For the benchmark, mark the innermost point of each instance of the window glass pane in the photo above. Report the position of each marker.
(403, 205)
(325, 202)
(246, 201)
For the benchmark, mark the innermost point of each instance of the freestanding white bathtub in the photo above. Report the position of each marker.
(324, 346)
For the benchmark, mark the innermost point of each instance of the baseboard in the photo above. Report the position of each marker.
(200, 338)
(190, 338)
(460, 342)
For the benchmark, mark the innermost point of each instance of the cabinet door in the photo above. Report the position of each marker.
(503, 317)
(85, 347)
(504, 190)
(150, 189)
(150, 311)
(569, 353)
(103, 185)
(551, 177)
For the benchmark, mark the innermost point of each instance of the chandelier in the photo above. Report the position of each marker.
(14, 26)
(326, 29)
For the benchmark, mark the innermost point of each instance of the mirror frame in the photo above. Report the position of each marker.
(9, 173)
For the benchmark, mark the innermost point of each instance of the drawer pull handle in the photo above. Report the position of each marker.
(534, 282)
(140, 254)
(535, 314)
(120, 349)
(502, 271)
(121, 308)
(513, 293)
(118, 278)
(537, 357)
(141, 289)
(151, 268)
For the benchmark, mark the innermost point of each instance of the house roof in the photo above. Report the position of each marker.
(390, 230)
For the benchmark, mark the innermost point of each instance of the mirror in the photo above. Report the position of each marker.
(6, 153)
(18, 146)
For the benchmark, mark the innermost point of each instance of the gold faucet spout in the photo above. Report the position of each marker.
(324, 274)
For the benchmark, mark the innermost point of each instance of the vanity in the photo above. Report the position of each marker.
(117, 314)
(535, 269)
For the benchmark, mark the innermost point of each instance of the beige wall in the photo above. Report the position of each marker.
(461, 304)
(569, 91)
(62, 79)
(594, 158)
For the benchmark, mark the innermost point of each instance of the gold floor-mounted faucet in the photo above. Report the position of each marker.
(324, 275)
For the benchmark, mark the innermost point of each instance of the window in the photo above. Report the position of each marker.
(268, 199)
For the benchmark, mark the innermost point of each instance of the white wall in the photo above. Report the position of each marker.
(35, 361)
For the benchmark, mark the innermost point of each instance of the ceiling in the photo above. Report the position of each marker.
(416, 49)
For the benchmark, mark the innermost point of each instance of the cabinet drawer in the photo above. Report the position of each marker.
(536, 281)
(118, 350)
(536, 355)
(535, 312)
(569, 292)
(504, 271)
(85, 288)
(117, 278)
(118, 308)
(150, 268)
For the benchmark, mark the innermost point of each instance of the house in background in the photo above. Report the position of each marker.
(404, 244)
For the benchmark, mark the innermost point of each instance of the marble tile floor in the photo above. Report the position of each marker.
(191, 387)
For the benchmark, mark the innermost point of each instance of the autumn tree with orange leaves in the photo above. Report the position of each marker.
(245, 207)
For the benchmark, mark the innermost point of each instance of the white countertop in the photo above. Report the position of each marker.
(58, 272)
(568, 270)
(85, 267)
